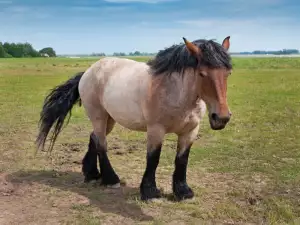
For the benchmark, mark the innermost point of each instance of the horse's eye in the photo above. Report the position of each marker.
(203, 74)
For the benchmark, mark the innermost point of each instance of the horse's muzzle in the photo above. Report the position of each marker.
(218, 123)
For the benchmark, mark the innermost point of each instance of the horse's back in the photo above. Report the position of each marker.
(121, 87)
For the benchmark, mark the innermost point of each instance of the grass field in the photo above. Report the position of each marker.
(248, 173)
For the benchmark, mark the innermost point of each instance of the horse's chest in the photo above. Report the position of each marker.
(182, 119)
(177, 123)
(189, 121)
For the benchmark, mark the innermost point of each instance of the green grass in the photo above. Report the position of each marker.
(247, 173)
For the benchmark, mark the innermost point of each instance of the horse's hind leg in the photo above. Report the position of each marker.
(89, 161)
(108, 175)
(102, 124)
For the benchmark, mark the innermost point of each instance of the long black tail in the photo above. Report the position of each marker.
(57, 105)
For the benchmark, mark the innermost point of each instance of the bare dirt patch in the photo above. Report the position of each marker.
(53, 197)
(26, 204)
(48, 196)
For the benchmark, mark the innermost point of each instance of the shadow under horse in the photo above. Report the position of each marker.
(123, 199)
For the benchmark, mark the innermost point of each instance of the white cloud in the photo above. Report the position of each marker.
(253, 2)
(237, 22)
(246, 34)
(102, 9)
(240, 6)
(238, 25)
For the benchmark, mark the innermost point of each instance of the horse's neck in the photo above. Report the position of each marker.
(182, 90)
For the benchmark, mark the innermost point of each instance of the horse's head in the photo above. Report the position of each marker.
(212, 72)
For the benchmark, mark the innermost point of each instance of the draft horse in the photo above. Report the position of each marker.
(168, 94)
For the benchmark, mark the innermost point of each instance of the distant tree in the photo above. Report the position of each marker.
(98, 54)
(19, 50)
(119, 54)
(49, 51)
(12, 49)
(138, 53)
(279, 52)
(2, 51)
(29, 51)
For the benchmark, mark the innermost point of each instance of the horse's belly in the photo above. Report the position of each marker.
(127, 113)
(122, 99)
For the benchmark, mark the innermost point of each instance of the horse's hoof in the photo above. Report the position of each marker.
(92, 178)
(114, 186)
(182, 191)
(150, 193)
(112, 181)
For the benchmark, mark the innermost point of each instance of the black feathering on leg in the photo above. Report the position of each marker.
(148, 188)
(108, 175)
(180, 187)
(89, 163)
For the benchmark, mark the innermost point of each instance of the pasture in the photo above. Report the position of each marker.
(248, 173)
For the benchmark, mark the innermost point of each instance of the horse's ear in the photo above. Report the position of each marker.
(226, 43)
(193, 49)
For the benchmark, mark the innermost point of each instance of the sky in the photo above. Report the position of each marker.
(87, 26)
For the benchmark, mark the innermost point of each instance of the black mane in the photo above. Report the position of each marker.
(177, 58)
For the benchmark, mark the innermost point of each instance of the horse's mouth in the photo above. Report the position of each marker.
(216, 124)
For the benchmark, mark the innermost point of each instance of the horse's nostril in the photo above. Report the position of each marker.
(214, 116)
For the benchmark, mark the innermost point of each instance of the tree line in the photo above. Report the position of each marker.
(262, 52)
(23, 50)
(136, 53)
(279, 52)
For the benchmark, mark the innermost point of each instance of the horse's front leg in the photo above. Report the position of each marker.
(148, 188)
(181, 189)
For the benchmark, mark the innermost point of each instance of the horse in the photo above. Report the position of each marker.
(168, 94)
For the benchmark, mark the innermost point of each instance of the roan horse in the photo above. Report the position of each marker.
(169, 94)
